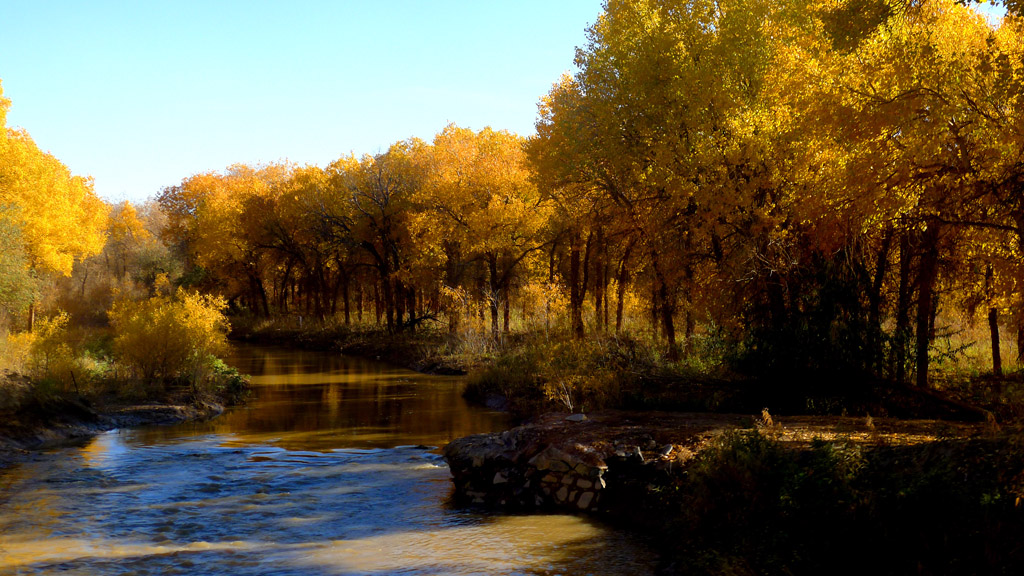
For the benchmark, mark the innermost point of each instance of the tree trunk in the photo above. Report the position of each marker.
(400, 301)
(495, 293)
(262, 294)
(667, 307)
(377, 308)
(875, 301)
(453, 279)
(606, 280)
(388, 301)
(345, 296)
(902, 333)
(551, 282)
(599, 282)
(993, 322)
(481, 283)
(668, 322)
(575, 295)
(585, 282)
(506, 305)
(655, 310)
(1020, 346)
(623, 281)
(993, 327)
(412, 296)
(359, 302)
(453, 318)
(927, 274)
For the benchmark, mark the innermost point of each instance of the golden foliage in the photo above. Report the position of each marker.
(47, 354)
(60, 216)
(165, 337)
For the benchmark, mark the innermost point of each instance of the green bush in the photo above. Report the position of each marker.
(227, 382)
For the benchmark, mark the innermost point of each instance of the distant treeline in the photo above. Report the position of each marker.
(817, 185)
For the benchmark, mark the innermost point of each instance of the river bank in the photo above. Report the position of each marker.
(32, 420)
(427, 352)
(743, 495)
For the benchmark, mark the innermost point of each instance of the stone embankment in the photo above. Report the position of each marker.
(614, 461)
(578, 463)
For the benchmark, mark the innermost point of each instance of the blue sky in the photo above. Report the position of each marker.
(140, 95)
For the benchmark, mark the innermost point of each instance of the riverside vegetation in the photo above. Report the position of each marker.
(810, 207)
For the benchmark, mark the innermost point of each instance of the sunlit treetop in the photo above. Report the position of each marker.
(60, 216)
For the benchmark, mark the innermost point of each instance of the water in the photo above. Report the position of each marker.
(332, 468)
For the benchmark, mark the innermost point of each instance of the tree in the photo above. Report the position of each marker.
(60, 218)
(17, 283)
(368, 204)
(480, 205)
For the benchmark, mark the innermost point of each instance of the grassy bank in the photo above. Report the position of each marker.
(733, 495)
(38, 413)
(537, 375)
(752, 504)
(426, 350)
(61, 383)
(536, 372)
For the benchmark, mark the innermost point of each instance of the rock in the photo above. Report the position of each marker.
(474, 451)
(559, 466)
(631, 453)
(553, 464)
(562, 494)
(551, 458)
(585, 499)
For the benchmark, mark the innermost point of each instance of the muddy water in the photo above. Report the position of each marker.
(331, 469)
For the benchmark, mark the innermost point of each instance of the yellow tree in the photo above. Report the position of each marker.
(659, 119)
(584, 188)
(125, 234)
(368, 204)
(480, 205)
(218, 220)
(909, 98)
(59, 216)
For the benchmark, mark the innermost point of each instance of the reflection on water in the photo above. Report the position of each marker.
(319, 401)
(321, 474)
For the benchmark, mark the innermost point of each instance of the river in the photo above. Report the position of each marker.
(333, 467)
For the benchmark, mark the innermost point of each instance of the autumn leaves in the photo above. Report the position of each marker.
(817, 198)
(816, 190)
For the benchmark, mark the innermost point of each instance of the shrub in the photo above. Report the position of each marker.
(543, 374)
(47, 354)
(170, 337)
(228, 382)
(580, 375)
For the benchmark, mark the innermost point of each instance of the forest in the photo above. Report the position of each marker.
(825, 192)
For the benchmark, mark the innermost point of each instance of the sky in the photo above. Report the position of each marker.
(142, 94)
